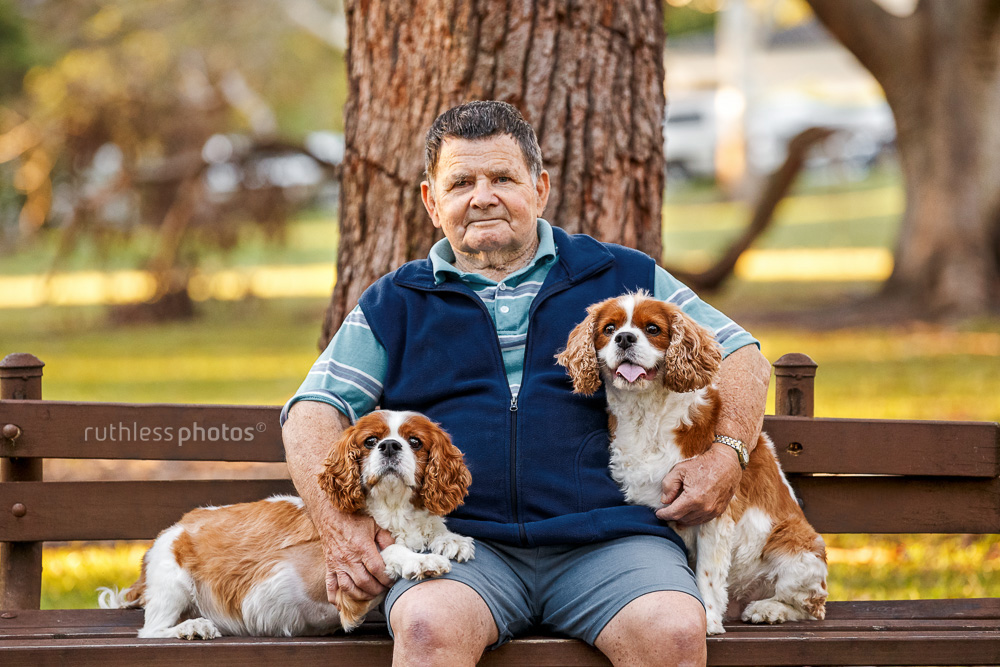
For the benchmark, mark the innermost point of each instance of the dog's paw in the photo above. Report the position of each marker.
(765, 611)
(420, 566)
(714, 624)
(454, 547)
(196, 628)
(433, 565)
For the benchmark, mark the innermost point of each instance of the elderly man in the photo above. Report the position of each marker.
(468, 336)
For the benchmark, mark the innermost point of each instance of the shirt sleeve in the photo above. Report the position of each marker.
(728, 334)
(349, 373)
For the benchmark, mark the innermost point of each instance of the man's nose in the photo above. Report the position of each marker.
(483, 194)
(625, 339)
(390, 446)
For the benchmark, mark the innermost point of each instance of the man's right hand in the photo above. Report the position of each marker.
(352, 544)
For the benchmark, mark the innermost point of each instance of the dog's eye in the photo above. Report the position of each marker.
(609, 329)
(652, 329)
(371, 442)
(415, 443)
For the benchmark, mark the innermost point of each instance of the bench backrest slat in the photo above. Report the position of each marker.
(859, 504)
(57, 511)
(139, 510)
(57, 429)
(166, 432)
(886, 446)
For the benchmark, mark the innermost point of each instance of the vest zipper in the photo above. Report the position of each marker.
(513, 469)
(541, 296)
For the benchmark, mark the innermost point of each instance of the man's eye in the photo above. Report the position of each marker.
(371, 442)
(652, 329)
(460, 184)
(415, 443)
(608, 330)
(503, 179)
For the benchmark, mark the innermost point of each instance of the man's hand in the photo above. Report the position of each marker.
(352, 544)
(699, 489)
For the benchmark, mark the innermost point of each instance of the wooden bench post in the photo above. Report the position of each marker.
(20, 562)
(794, 376)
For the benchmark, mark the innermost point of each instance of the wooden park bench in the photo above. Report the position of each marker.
(853, 476)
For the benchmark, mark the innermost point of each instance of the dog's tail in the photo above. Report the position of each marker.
(112, 598)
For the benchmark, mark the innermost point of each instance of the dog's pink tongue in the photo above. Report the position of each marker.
(631, 372)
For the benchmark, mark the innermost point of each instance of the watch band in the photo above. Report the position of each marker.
(741, 449)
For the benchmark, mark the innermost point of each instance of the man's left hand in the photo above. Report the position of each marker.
(699, 489)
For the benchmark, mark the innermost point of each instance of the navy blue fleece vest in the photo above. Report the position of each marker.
(539, 465)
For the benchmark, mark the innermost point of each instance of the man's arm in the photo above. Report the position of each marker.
(698, 490)
(351, 542)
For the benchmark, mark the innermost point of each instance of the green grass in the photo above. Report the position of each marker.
(699, 224)
(311, 237)
(257, 352)
(72, 574)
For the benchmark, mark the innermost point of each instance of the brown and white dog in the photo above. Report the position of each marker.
(658, 365)
(259, 569)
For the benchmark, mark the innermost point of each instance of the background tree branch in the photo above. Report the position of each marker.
(775, 189)
(882, 42)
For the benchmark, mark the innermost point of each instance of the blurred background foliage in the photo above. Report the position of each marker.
(175, 125)
(187, 137)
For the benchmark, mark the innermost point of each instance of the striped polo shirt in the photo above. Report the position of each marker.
(349, 373)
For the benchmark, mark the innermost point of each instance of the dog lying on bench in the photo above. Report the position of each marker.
(258, 568)
(657, 365)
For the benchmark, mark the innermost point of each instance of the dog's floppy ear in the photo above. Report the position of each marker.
(446, 479)
(341, 476)
(580, 356)
(693, 358)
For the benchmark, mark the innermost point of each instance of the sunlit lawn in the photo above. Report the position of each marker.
(257, 352)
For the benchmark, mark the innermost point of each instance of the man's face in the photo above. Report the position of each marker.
(483, 198)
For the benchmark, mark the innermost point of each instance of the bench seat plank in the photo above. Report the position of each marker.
(875, 633)
(842, 616)
(977, 647)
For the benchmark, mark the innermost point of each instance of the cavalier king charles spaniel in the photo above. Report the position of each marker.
(658, 365)
(259, 569)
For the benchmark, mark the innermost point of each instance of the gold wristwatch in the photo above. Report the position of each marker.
(741, 450)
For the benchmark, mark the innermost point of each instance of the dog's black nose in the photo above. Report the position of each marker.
(625, 339)
(390, 446)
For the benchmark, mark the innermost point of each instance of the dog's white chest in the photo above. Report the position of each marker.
(644, 448)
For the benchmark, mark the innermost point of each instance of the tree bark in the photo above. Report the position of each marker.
(940, 69)
(588, 76)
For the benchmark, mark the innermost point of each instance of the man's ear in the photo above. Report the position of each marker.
(427, 196)
(542, 191)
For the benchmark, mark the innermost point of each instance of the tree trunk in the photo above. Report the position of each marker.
(588, 76)
(940, 69)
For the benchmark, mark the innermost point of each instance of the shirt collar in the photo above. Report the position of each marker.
(442, 258)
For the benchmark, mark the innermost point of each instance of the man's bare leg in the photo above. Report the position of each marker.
(441, 622)
(665, 628)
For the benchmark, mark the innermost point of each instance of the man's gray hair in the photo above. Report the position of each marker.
(479, 120)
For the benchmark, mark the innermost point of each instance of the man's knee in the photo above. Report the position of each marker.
(684, 632)
(441, 618)
(658, 628)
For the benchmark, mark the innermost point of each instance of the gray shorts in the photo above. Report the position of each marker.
(571, 590)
